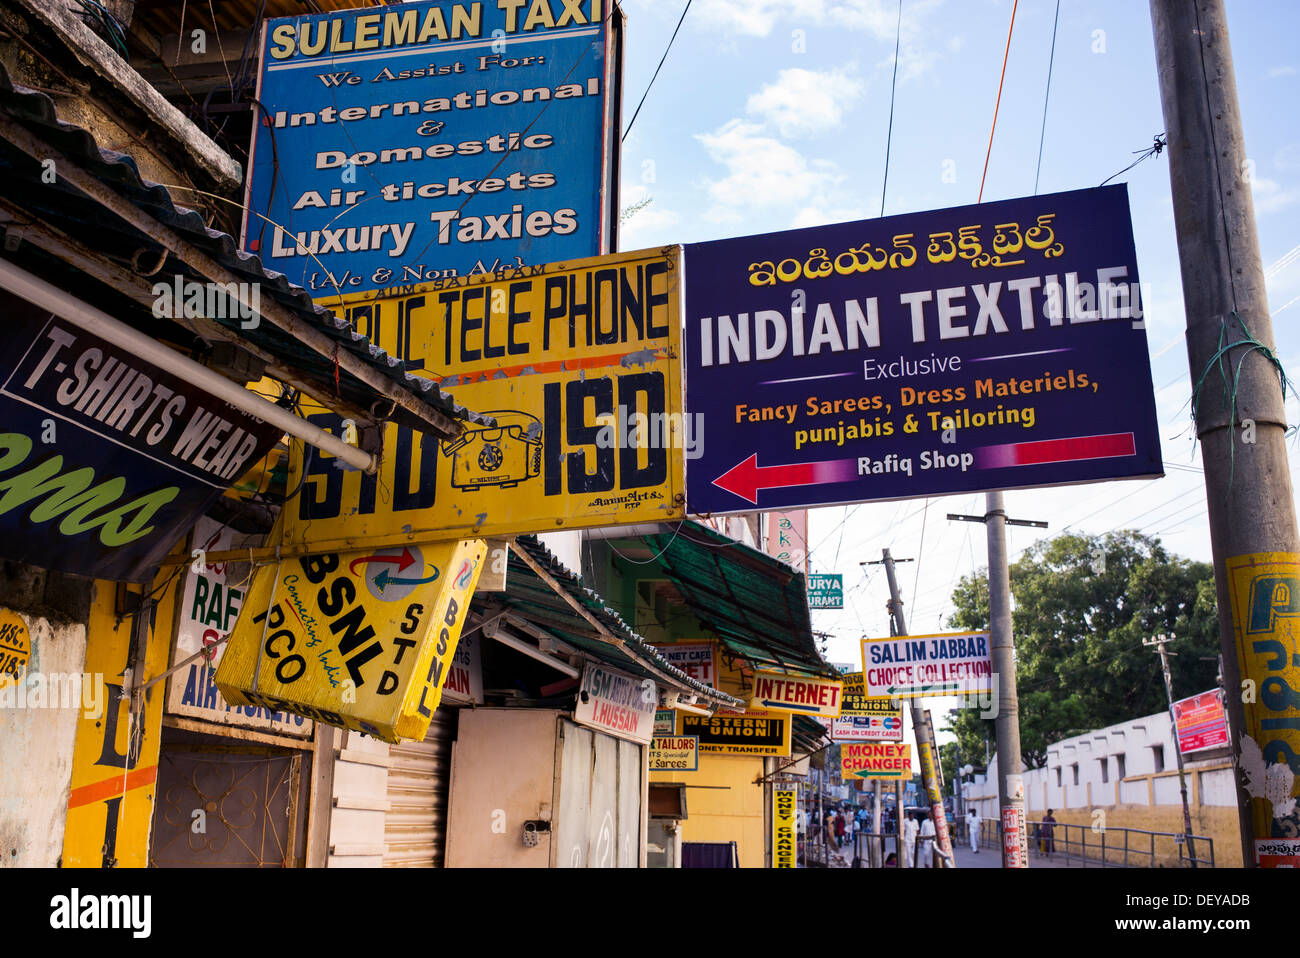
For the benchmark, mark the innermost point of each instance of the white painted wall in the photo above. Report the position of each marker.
(1135, 741)
(36, 746)
(565, 546)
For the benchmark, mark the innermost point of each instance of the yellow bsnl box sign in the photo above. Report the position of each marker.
(578, 363)
(361, 640)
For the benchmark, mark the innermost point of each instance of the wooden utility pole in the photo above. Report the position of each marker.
(1237, 399)
(1159, 643)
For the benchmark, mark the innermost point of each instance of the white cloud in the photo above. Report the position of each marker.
(757, 18)
(1288, 157)
(817, 215)
(1282, 71)
(804, 102)
(761, 171)
(1270, 196)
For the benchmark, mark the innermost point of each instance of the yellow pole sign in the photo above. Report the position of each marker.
(362, 640)
(785, 834)
(1265, 593)
(796, 693)
(578, 363)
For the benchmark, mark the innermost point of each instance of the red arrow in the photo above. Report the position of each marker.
(746, 478)
(404, 560)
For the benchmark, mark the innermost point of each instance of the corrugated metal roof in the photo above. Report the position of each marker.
(757, 605)
(61, 206)
(807, 734)
(530, 596)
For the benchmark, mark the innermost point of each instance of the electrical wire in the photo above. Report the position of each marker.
(998, 103)
(893, 84)
(1155, 149)
(657, 69)
(1042, 135)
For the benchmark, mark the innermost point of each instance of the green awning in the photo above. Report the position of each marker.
(757, 605)
(600, 632)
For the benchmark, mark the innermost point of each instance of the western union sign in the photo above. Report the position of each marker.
(362, 640)
(579, 365)
(755, 732)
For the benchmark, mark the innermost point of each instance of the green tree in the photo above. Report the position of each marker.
(1081, 607)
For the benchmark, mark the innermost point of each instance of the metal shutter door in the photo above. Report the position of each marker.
(415, 827)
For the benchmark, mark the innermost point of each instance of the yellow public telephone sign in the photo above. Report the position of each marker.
(578, 363)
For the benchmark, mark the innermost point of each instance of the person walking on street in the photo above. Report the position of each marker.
(839, 829)
(973, 828)
(910, 829)
(925, 843)
(1046, 832)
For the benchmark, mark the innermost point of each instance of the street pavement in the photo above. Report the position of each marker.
(987, 857)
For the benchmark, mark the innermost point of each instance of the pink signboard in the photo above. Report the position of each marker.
(1201, 722)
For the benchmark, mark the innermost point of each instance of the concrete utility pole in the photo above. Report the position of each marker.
(1159, 643)
(1248, 482)
(1011, 793)
(877, 854)
(925, 744)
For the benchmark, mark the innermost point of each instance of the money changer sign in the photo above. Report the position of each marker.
(362, 640)
(578, 365)
(871, 760)
(785, 806)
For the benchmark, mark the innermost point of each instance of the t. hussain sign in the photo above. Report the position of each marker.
(981, 347)
(616, 702)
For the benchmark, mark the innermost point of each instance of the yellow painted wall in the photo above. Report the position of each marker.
(733, 813)
(111, 799)
(1218, 822)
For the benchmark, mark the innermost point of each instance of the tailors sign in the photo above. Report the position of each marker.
(674, 753)
(912, 666)
(983, 347)
(398, 144)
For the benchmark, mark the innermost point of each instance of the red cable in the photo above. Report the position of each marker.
(999, 100)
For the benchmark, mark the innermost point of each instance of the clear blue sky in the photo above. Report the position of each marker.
(772, 114)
